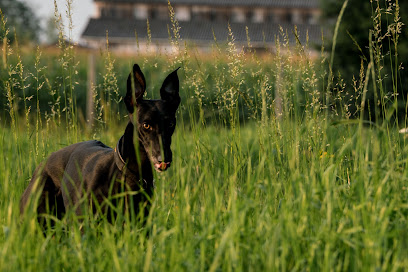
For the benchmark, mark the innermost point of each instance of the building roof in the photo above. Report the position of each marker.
(196, 31)
(251, 3)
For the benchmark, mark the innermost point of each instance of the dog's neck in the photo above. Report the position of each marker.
(128, 152)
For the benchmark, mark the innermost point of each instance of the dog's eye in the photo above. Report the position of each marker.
(147, 126)
(171, 125)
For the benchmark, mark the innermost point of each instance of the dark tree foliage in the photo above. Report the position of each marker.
(352, 44)
(21, 21)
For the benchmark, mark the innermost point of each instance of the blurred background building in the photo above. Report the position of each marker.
(145, 24)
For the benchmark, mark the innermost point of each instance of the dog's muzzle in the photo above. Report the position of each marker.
(162, 166)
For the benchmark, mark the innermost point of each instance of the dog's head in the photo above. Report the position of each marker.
(155, 120)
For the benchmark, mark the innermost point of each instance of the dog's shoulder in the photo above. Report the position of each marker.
(80, 152)
(92, 144)
(87, 147)
(90, 149)
(90, 158)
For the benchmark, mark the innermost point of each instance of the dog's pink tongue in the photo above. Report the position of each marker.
(162, 166)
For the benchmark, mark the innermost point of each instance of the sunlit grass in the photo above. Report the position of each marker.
(270, 170)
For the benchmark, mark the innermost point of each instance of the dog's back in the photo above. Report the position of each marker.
(69, 173)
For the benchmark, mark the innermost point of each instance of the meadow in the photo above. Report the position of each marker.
(276, 164)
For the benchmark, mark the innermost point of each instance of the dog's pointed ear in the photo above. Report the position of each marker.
(170, 89)
(136, 87)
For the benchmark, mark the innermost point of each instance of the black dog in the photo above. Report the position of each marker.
(91, 172)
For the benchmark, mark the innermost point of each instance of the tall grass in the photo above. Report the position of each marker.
(271, 171)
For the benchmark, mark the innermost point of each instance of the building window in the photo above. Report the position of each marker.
(153, 14)
(258, 16)
(249, 16)
(213, 15)
(288, 18)
(103, 12)
(224, 16)
(238, 16)
(297, 17)
(163, 12)
(271, 17)
(183, 14)
(199, 13)
(141, 12)
(110, 12)
(311, 18)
